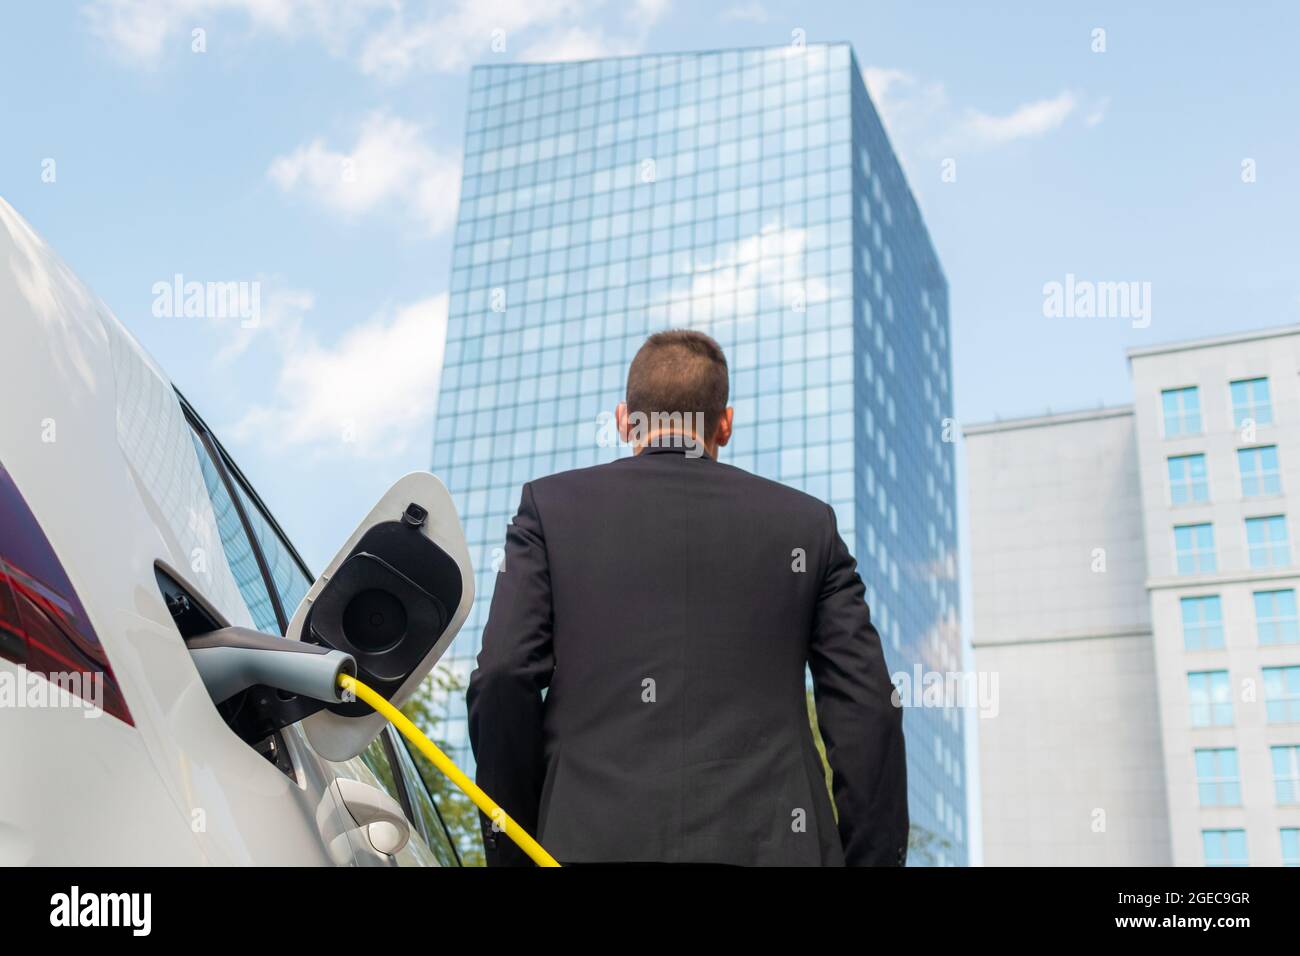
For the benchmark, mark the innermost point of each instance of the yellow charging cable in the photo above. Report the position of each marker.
(453, 773)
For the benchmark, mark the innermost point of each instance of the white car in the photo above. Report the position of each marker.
(136, 567)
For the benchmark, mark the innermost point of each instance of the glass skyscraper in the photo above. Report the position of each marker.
(752, 194)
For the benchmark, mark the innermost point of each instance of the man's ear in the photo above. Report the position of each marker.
(723, 433)
(620, 418)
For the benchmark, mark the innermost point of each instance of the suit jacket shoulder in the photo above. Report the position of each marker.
(792, 502)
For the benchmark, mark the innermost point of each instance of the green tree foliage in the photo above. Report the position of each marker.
(461, 816)
(458, 813)
(922, 844)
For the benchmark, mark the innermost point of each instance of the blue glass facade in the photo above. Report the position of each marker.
(752, 194)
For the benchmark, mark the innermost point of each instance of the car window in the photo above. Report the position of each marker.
(158, 447)
(287, 576)
(376, 758)
(430, 821)
(236, 545)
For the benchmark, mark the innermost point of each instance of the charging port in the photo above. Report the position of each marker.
(247, 712)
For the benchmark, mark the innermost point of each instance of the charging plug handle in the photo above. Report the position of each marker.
(233, 659)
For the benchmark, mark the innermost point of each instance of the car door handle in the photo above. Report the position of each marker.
(379, 814)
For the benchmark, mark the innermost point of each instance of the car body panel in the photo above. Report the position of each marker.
(97, 443)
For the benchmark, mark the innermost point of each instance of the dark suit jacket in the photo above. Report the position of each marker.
(640, 692)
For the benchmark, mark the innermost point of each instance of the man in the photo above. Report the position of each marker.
(640, 693)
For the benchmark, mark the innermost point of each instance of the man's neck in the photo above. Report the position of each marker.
(675, 439)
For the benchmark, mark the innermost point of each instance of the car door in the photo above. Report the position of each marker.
(377, 766)
(274, 582)
(295, 801)
(422, 805)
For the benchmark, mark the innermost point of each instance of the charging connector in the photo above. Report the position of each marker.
(233, 659)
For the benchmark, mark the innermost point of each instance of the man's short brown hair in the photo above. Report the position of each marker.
(679, 372)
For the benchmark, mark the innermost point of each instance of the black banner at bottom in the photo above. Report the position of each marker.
(325, 907)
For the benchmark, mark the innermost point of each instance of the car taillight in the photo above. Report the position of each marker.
(13, 639)
(43, 625)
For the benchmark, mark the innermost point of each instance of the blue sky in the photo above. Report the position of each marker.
(1122, 165)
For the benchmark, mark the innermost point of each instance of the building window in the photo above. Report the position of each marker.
(1224, 847)
(1182, 407)
(1194, 548)
(1282, 694)
(1259, 472)
(1266, 542)
(1217, 783)
(1290, 846)
(1211, 698)
(1275, 617)
(1286, 774)
(1187, 479)
(1202, 623)
(1250, 402)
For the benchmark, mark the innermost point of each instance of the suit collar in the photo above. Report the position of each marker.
(671, 450)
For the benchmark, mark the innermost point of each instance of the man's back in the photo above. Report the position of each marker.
(670, 604)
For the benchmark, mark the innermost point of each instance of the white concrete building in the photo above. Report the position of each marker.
(1179, 712)
(1071, 767)
(1218, 428)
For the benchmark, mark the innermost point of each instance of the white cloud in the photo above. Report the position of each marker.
(140, 30)
(1098, 111)
(281, 314)
(921, 119)
(576, 43)
(389, 166)
(646, 13)
(750, 274)
(371, 394)
(453, 38)
(751, 12)
(1025, 122)
(903, 101)
(881, 79)
(452, 35)
(388, 39)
